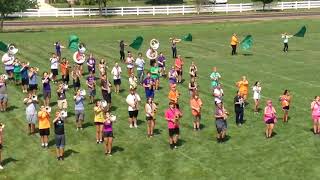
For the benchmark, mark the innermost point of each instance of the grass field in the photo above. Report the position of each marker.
(291, 154)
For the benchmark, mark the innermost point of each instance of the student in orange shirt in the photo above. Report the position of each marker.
(234, 42)
(196, 104)
(179, 66)
(173, 94)
(44, 126)
(64, 68)
(285, 100)
(243, 86)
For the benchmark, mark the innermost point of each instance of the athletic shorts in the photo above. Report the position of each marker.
(91, 69)
(33, 87)
(31, 118)
(4, 97)
(270, 121)
(179, 72)
(106, 96)
(91, 92)
(117, 81)
(174, 131)
(149, 118)
(221, 125)
(46, 94)
(54, 72)
(76, 84)
(60, 141)
(25, 81)
(1, 147)
(79, 114)
(107, 134)
(133, 113)
(286, 108)
(98, 123)
(62, 104)
(10, 71)
(17, 76)
(44, 132)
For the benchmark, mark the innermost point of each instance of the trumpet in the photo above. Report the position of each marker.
(34, 98)
(35, 69)
(104, 104)
(64, 114)
(2, 125)
(48, 109)
(83, 92)
(4, 76)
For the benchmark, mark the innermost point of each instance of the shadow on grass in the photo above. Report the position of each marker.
(139, 122)
(116, 149)
(202, 126)
(247, 54)
(52, 142)
(157, 131)
(11, 108)
(113, 108)
(53, 104)
(8, 160)
(181, 142)
(70, 152)
(274, 134)
(188, 57)
(88, 124)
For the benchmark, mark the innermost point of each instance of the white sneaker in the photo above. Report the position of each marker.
(130, 126)
(136, 126)
(1, 167)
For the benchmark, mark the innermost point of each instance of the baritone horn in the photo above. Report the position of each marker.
(154, 44)
(152, 51)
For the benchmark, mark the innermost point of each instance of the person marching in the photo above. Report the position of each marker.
(91, 63)
(179, 67)
(239, 108)
(270, 118)
(1, 143)
(62, 98)
(44, 126)
(193, 86)
(46, 88)
(173, 75)
(162, 64)
(33, 77)
(79, 109)
(3, 94)
(155, 74)
(196, 105)
(122, 54)
(76, 75)
(234, 42)
(54, 60)
(133, 81)
(116, 71)
(193, 71)
(108, 133)
(148, 86)
(130, 63)
(285, 101)
(315, 114)
(58, 123)
(140, 68)
(221, 116)
(285, 36)
(64, 68)
(174, 42)
(91, 83)
(98, 121)
(31, 102)
(150, 109)
(133, 100)
(170, 116)
(106, 90)
(215, 77)
(17, 71)
(173, 95)
(24, 76)
(102, 67)
(58, 48)
(256, 96)
(243, 86)
(218, 94)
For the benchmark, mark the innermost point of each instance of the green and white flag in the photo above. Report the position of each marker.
(136, 44)
(3, 47)
(301, 32)
(187, 37)
(247, 43)
(73, 43)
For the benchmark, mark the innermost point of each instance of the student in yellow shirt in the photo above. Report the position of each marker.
(44, 126)
(98, 121)
(243, 86)
(234, 42)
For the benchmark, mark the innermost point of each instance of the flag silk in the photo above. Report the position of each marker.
(187, 37)
(246, 43)
(3, 46)
(136, 44)
(73, 43)
(301, 32)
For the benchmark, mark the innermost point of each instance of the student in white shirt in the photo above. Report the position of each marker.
(54, 61)
(256, 95)
(140, 68)
(130, 63)
(133, 100)
(218, 94)
(116, 72)
(285, 38)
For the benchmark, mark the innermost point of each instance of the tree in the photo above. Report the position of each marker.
(10, 6)
(200, 3)
(100, 2)
(264, 2)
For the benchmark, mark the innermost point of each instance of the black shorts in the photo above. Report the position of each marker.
(175, 131)
(98, 123)
(25, 81)
(133, 113)
(117, 81)
(1, 146)
(286, 108)
(33, 87)
(179, 72)
(107, 134)
(54, 72)
(149, 118)
(106, 96)
(44, 132)
(270, 121)
(76, 84)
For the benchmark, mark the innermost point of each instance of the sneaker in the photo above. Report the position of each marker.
(130, 126)
(81, 129)
(176, 147)
(77, 129)
(61, 158)
(136, 126)
(109, 154)
(1, 167)
(98, 141)
(58, 158)
(101, 141)
(42, 145)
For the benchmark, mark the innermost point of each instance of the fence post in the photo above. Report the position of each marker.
(282, 6)
(137, 11)
(227, 8)
(72, 11)
(182, 9)
(20, 14)
(121, 11)
(240, 7)
(56, 13)
(309, 4)
(296, 5)
(89, 12)
(167, 10)
(153, 10)
(38, 13)
(106, 11)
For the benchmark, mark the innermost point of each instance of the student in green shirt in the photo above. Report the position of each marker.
(155, 74)
(17, 71)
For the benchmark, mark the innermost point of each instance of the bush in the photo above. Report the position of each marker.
(87, 2)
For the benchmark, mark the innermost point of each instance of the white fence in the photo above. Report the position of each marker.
(164, 10)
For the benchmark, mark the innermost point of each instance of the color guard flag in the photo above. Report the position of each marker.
(3, 47)
(187, 37)
(73, 43)
(246, 43)
(301, 32)
(136, 44)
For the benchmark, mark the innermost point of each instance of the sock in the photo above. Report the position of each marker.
(42, 144)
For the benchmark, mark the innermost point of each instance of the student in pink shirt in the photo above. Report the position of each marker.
(315, 113)
(269, 118)
(172, 117)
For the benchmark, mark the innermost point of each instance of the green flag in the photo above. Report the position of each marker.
(73, 43)
(187, 37)
(136, 44)
(301, 32)
(3, 46)
(246, 43)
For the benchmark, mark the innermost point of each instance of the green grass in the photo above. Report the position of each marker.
(291, 154)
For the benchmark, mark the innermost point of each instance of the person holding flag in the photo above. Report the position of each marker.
(285, 36)
(121, 46)
(234, 42)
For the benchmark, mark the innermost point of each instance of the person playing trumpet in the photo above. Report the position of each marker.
(133, 100)
(116, 72)
(221, 116)
(31, 102)
(58, 123)
(44, 126)
(133, 81)
(76, 75)
(179, 67)
(148, 86)
(174, 94)
(130, 63)
(98, 121)
(150, 110)
(24, 76)
(3, 94)
(162, 64)
(91, 83)
(64, 68)
(102, 67)
(33, 78)
(54, 60)
(155, 75)
(196, 105)
(17, 71)
(193, 70)
(79, 109)
(172, 117)
(106, 90)
(46, 88)
(174, 42)
(62, 98)
(108, 133)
